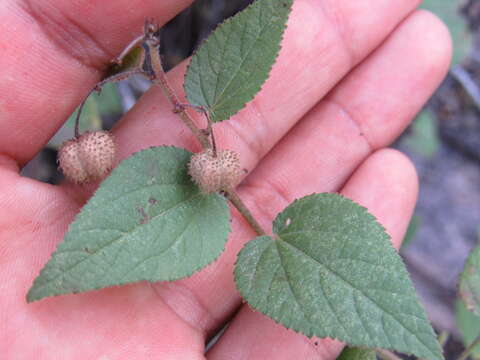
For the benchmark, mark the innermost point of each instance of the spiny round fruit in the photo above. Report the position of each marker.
(212, 173)
(70, 163)
(88, 158)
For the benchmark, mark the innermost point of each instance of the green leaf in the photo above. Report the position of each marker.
(147, 221)
(412, 229)
(469, 325)
(424, 138)
(331, 271)
(355, 353)
(469, 287)
(234, 62)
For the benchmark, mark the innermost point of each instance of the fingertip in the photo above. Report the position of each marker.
(435, 48)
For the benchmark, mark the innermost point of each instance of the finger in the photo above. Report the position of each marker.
(368, 110)
(386, 184)
(52, 53)
(317, 155)
(326, 54)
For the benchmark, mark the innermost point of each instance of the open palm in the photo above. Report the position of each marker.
(350, 77)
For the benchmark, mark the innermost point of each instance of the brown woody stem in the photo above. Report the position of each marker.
(153, 67)
(160, 78)
(77, 118)
(210, 131)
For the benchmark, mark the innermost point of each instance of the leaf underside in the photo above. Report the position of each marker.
(331, 271)
(233, 63)
(355, 353)
(147, 221)
(469, 287)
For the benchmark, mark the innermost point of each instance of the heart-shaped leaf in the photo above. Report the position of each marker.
(233, 63)
(147, 221)
(331, 271)
(469, 287)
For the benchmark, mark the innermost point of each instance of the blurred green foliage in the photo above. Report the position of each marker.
(423, 138)
(412, 229)
(469, 325)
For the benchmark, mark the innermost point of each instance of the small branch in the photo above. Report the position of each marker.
(242, 209)
(77, 118)
(153, 67)
(210, 131)
(151, 45)
(387, 355)
(98, 88)
(467, 352)
(135, 42)
(117, 78)
(209, 124)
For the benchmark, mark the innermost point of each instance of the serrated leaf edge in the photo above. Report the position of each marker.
(31, 299)
(274, 238)
(205, 41)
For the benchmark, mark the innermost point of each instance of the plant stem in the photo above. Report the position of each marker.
(153, 67)
(387, 355)
(135, 42)
(466, 353)
(77, 118)
(210, 132)
(98, 88)
(160, 78)
(242, 209)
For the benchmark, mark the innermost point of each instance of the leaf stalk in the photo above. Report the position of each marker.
(242, 209)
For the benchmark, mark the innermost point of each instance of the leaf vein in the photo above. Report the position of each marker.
(110, 242)
(364, 294)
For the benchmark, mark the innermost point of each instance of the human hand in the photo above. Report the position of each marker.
(350, 77)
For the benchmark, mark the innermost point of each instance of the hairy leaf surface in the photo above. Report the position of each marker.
(331, 271)
(147, 221)
(234, 62)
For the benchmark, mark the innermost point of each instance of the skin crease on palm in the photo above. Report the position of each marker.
(350, 77)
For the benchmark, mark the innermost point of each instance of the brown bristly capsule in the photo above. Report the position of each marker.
(88, 158)
(215, 173)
